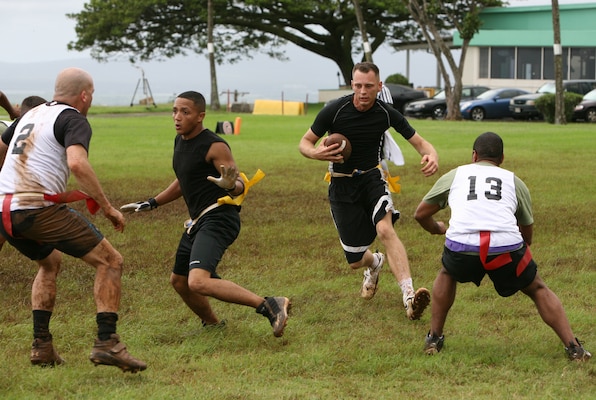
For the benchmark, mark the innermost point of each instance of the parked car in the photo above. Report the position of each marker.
(524, 107)
(403, 94)
(491, 104)
(436, 107)
(586, 110)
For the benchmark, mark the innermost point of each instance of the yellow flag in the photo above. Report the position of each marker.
(248, 183)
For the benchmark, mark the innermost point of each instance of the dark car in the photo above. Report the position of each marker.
(402, 94)
(524, 107)
(436, 107)
(491, 104)
(586, 110)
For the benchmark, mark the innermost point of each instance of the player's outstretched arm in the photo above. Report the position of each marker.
(171, 193)
(430, 158)
(147, 205)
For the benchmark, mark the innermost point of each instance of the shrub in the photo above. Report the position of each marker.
(546, 105)
(397, 78)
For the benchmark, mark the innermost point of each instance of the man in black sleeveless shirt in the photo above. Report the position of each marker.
(200, 156)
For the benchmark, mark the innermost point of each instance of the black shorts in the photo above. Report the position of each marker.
(506, 279)
(357, 205)
(37, 232)
(208, 240)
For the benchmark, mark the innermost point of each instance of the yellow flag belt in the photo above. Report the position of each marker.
(394, 187)
(248, 183)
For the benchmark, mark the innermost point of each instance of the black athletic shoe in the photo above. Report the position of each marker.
(277, 310)
(433, 344)
(576, 352)
(220, 325)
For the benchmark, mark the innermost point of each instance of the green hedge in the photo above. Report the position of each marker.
(546, 105)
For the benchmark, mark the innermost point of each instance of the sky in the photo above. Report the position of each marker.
(36, 33)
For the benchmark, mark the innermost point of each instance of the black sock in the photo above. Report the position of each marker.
(41, 324)
(106, 324)
(261, 309)
(265, 310)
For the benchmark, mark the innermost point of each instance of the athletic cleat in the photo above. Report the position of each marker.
(113, 352)
(433, 344)
(576, 352)
(277, 310)
(416, 305)
(219, 325)
(44, 354)
(371, 278)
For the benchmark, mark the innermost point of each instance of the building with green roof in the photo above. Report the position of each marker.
(514, 47)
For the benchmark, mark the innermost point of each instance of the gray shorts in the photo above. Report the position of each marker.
(37, 232)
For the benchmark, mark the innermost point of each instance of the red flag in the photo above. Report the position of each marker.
(74, 195)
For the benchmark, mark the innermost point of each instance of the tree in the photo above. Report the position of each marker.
(211, 50)
(436, 19)
(362, 27)
(559, 92)
(157, 29)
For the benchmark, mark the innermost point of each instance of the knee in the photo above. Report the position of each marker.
(51, 264)
(199, 286)
(535, 287)
(179, 283)
(116, 261)
(356, 265)
(385, 231)
(112, 264)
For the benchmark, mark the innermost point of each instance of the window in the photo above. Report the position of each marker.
(502, 63)
(484, 60)
(582, 65)
(529, 63)
(548, 67)
(507, 94)
(535, 63)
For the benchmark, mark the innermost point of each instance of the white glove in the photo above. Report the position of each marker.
(227, 180)
(140, 206)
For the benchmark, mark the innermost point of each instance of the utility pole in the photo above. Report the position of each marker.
(558, 55)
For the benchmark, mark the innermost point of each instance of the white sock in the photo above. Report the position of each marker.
(407, 288)
(376, 261)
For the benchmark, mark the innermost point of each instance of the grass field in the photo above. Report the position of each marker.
(336, 345)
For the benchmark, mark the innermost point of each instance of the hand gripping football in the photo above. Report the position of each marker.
(345, 145)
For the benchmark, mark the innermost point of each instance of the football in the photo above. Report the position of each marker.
(344, 144)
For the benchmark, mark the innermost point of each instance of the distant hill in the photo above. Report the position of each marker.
(115, 81)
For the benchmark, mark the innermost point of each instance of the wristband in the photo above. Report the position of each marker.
(153, 203)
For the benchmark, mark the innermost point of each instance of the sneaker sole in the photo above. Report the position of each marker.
(366, 295)
(106, 359)
(420, 302)
(431, 351)
(287, 306)
(47, 364)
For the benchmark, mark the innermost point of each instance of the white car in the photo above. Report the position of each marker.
(4, 125)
